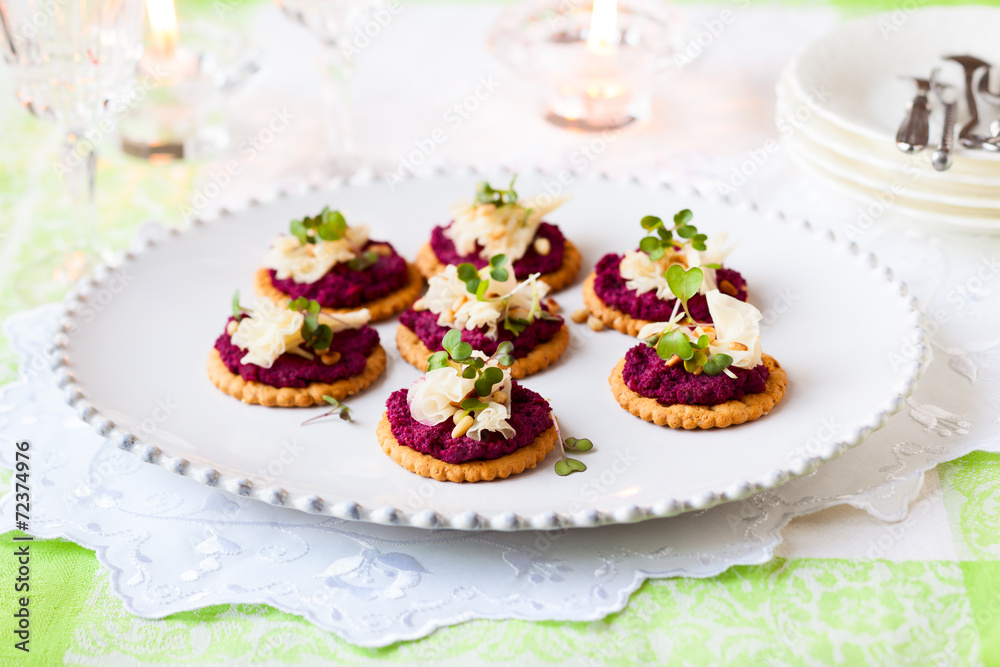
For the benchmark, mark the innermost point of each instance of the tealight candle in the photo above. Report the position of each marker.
(595, 63)
(178, 109)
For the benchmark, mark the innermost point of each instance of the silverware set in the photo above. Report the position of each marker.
(914, 132)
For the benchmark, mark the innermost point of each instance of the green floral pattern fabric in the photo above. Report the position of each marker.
(801, 612)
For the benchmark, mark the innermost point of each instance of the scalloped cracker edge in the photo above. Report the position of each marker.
(258, 393)
(611, 316)
(561, 278)
(541, 356)
(380, 309)
(748, 408)
(516, 462)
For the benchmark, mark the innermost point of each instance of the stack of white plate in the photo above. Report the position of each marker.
(842, 100)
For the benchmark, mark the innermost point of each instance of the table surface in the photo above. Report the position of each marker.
(826, 599)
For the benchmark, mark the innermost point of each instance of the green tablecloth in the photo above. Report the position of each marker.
(805, 611)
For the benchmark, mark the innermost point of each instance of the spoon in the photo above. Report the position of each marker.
(971, 65)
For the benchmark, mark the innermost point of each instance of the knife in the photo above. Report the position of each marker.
(913, 133)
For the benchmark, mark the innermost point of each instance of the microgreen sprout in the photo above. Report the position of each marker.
(488, 379)
(238, 311)
(458, 355)
(664, 238)
(675, 342)
(338, 409)
(315, 335)
(565, 465)
(684, 283)
(363, 261)
(478, 286)
(469, 274)
(327, 226)
(485, 194)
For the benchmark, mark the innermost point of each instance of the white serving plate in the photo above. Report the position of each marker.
(908, 184)
(965, 177)
(847, 333)
(859, 65)
(980, 221)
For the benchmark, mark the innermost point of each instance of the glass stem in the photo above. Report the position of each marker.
(79, 166)
(337, 76)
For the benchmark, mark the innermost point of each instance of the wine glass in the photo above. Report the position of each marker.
(73, 62)
(335, 22)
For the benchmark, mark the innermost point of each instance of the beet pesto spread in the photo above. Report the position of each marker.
(292, 370)
(647, 374)
(424, 324)
(531, 262)
(529, 415)
(612, 290)
(344, 287)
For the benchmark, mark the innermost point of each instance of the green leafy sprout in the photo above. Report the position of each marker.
(363, 261)
(327, 226)
(486, 194)
(675, 342)
(457, 354)
(478, 286)
(661, 238)
(338, 409)
(238, 311)
(565, 465)
(317, 336)
(469, 274)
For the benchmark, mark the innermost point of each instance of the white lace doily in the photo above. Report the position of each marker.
(172, 544)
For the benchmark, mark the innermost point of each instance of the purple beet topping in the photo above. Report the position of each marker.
(647, 375)
(343, 287)
(529, 415)
(532, 262)
(424, 324)
(610, 287)
(291, 370)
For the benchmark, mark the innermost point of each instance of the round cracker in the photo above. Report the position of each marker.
(516, 462)
(748, 408)
(380, 309)
(430, 266)
(541, 356)
(611, 316)
(258, 393)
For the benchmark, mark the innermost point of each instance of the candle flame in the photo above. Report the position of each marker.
(603, 36)
(162, 25)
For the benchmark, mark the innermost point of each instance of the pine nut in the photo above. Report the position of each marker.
(674, 360)
(330, 358)
(738, 346)
(231, 328)
(595, 323)
(462, 427)
(543, 246)
(500, 397)
(727, 287)
(580, 316)
(553, 306)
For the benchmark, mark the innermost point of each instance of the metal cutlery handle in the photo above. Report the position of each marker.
(941, 160)
(914, 132)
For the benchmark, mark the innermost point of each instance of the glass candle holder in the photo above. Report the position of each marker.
(593, 62)
(179, 110)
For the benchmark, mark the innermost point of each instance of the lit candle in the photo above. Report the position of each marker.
(605, 95)
(162, 27)
(603, 36)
